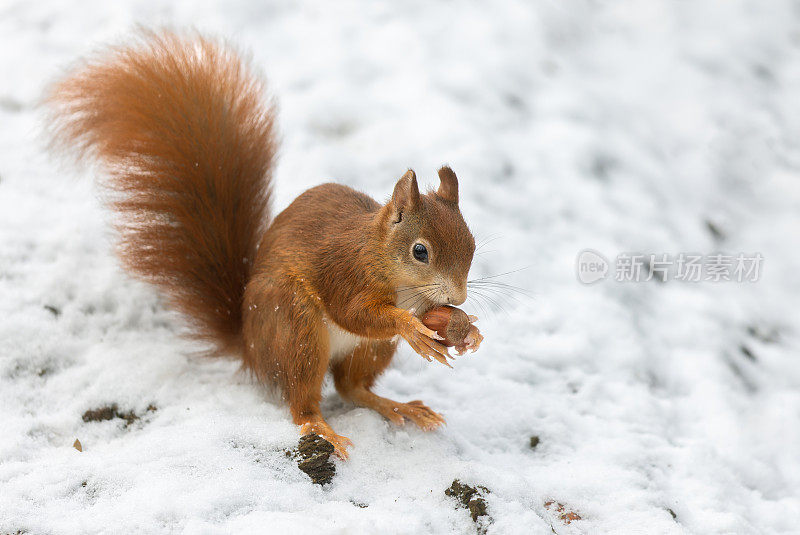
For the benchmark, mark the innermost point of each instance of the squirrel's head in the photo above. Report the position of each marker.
(429, 245)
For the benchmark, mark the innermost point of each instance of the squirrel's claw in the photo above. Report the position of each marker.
(430, 333)
(432, 349)
(424, 341)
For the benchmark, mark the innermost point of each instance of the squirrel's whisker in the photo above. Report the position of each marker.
(418, 297)
(414, 295)
(488, 240)
(499, 292)
(479, 302)
(476, 298)
(493, 304)
(501, 288)
(498, 275)
(489, 298)
(426, 295)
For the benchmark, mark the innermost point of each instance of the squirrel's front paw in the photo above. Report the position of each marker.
(425, 341)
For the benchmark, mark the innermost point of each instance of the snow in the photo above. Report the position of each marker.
(620, 127)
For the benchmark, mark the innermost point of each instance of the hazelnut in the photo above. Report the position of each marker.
(451, 323)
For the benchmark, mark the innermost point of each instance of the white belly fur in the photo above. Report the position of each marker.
(341, 342)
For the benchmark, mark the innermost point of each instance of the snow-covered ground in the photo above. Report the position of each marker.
(625, 127)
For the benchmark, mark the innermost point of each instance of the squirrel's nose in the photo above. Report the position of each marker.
(457, 295)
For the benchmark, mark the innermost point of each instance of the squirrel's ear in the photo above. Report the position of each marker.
(448, 185)
(406, 192)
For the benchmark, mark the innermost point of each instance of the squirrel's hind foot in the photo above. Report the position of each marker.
(422, 415)
(397, 413)
(320, 427)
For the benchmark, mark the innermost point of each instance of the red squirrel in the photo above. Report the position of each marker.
(186, 138)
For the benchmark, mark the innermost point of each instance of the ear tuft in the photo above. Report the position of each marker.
(406, 192)
(448, 185)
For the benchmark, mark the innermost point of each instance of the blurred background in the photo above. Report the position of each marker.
(660, 406)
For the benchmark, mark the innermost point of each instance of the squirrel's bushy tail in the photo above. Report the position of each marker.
(183, 132)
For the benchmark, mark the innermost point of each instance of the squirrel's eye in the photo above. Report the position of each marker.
(420, 252)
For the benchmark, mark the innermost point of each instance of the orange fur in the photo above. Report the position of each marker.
(181, 128)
